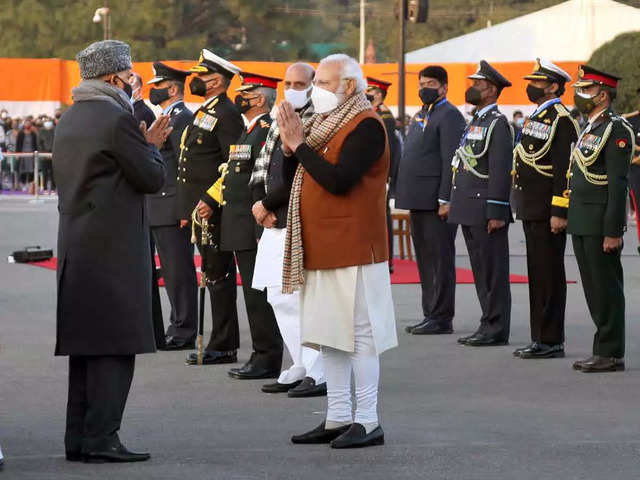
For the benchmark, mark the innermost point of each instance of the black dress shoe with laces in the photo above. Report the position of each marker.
(279, 387)
(308, 388)
(115, 454)
(485, 340)
(357, 437)
(319, 435)
(464, 340)
(409, 328)
(213, 357)
(173, 344)
(433, 327)
(253, 371)
(518, 351)
(542, 350)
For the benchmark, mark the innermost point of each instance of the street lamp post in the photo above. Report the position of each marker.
(103, 15)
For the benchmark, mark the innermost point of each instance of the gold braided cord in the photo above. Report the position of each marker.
(583, 162)
(463, 155)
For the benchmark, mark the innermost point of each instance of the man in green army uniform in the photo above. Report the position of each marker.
(239, 231)
(597, 185)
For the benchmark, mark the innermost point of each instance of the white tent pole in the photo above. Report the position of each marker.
(362, 31)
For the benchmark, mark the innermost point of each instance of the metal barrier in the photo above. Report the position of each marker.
(37, 179)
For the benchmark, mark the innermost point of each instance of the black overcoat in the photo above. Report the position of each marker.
(103, 167)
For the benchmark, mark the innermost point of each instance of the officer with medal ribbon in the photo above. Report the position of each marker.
(173, 243)
(540, 162)
(239, 230)
(597, 184)
(204, 148)
(480, 204)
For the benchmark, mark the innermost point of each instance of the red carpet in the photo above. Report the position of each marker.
(405, 272)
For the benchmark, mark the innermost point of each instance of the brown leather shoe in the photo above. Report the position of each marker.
(604, 364)
(580, 363)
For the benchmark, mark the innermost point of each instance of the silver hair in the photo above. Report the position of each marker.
(350, 69)
(269, 94)
(306, 67)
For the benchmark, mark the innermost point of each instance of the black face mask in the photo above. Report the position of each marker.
(198, 87)
(243, 104)
(127, 89)
(535, 93)
(473, 95)
(370, 98)
(158, 95)
(428, 95)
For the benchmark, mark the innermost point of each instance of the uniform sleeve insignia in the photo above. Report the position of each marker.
(264, 124)
(621, 142)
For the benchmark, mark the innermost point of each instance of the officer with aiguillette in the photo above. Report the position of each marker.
(540, 162)
(204, 148)
(597, 185)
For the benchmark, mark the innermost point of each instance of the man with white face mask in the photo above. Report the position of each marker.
(271, 185)
(336, 248)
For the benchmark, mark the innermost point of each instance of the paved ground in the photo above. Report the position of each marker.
(449, 412)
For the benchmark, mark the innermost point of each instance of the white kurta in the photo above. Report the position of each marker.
(329, 305)
(268, 269)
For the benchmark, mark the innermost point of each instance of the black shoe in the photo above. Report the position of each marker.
(252, 371)
(116, 454)
(172, 344)
(409, 328)
(577, 365)
(432, 327)
(357, 437)
(542, 350)
(518, 351)
(320, 435)
(463, 340)
(279, 387)
(603, 364)
(213, 357)
(485, 340)
(74, 456)
(308, 388)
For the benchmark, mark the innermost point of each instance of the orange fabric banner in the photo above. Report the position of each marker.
(52, 79)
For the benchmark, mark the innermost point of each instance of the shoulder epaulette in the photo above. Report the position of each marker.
(561, 109)
(210, 107)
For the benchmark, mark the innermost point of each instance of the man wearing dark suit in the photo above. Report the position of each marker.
(424, 187)
(541, 159)
(480, 204)
(143, 113)
(240, 232)
(103, 165)
(204, 148)
(173, 243)
(598, 214)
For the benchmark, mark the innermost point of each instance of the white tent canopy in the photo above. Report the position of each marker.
(569, 31)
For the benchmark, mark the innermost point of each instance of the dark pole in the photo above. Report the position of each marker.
(401, 66)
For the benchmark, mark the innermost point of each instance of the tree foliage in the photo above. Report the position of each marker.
(621, 57)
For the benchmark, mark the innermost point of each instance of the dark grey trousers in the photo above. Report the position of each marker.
(176, 257)
(489, 255)
(434, 240)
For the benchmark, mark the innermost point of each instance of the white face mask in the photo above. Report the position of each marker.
(323, 100)
(297, 98)
(48, 124)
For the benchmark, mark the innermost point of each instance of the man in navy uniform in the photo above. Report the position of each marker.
(480, 204)
(598, 213)
(173, 243)
(424, 187)
(204, 148)
(541, 160)
(240, 232)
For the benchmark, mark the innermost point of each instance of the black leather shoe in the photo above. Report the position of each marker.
(251, 371)
(212, 357)
(319, 435)
(409, 328)
(485, 340)
(172, 344)
(577, 365)
(74, 456)
(308, 388)
(279, 387)
(116, 454)
(603, 364)
(463, 340)
(432, 327)
(518, 351)
(542, 350)
(357, 437)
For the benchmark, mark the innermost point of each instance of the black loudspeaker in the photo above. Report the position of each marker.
(418, 11)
